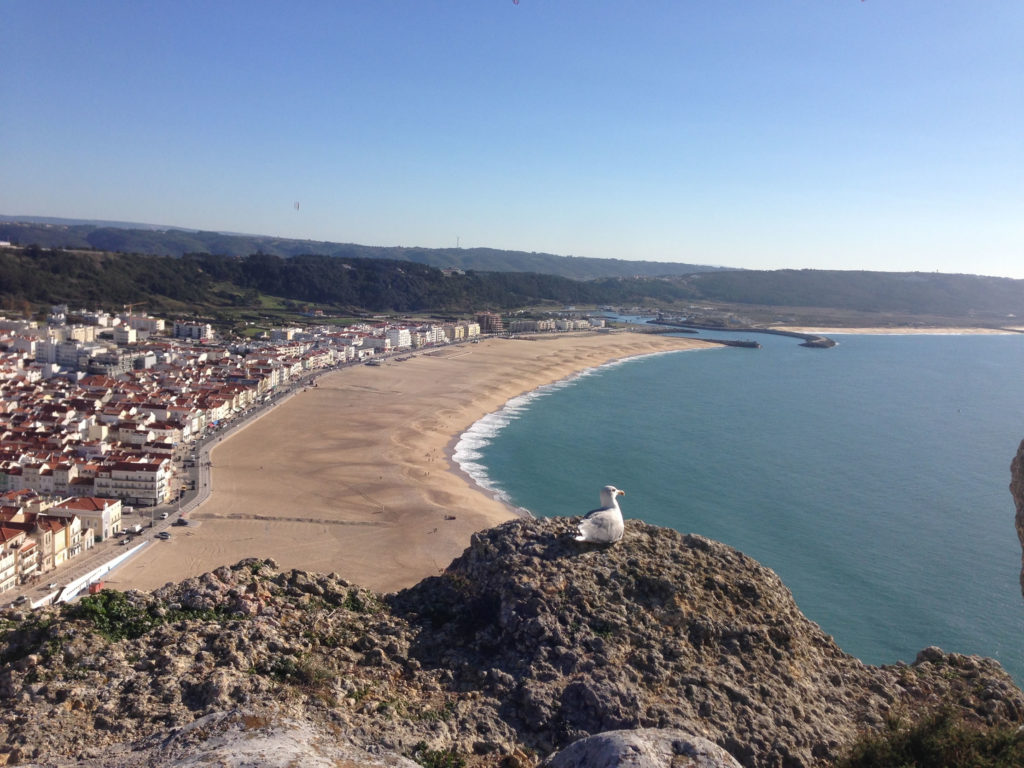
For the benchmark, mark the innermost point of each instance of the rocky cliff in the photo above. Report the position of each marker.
(525, 645)
(1017, 491)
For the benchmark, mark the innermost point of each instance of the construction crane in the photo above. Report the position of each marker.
(128, 307)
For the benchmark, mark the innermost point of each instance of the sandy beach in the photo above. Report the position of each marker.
(355, 477)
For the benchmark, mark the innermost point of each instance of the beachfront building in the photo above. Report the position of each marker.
(9, 558)
(145, 482)
(527, 325)
(571, 324)
(38, 541)
(490, 322)
(377, 344)
(400, 338)
(19, 554)
(432, 334)
(103, 516)
(69, 537)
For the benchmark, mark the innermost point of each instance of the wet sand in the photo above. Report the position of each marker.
(355, 477)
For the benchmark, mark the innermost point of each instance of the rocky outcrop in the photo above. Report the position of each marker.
(642, 748)
(524, 645)
(1017, 491)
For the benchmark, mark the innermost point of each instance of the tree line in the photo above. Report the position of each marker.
(41, 275)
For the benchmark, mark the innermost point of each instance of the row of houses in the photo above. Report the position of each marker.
(39, 534)
(70, 425)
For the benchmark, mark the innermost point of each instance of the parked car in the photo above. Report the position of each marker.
(164, 515)
(181, 521)
(163, 535)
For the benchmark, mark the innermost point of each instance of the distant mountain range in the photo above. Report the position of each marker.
(126, 237)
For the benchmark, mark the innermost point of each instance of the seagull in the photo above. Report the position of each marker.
(604, 525)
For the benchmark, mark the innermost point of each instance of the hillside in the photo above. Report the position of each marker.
(208, 283)
(525, 644)
(999, 299)
(154, 241)
(202, 281)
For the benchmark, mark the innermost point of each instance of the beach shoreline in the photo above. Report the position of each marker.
(356, 476)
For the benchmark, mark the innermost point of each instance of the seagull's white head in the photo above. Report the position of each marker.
(609, 496)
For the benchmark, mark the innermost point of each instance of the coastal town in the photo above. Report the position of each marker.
(102, 417)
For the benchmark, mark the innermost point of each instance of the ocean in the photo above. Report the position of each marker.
(872, 477)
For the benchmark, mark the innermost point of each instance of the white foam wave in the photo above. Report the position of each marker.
(470, 446)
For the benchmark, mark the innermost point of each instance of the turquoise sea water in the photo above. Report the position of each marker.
(872, 477)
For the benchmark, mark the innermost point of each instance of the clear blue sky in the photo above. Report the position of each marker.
(833, 134)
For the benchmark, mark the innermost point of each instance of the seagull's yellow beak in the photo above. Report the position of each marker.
(620, 493)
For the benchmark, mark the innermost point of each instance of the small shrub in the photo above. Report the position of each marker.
(940, 740)
(437, 758)
(360, 603)
(114, 617)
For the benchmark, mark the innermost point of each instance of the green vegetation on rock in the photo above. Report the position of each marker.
(940, 740)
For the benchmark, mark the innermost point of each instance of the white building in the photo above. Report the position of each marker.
(199, 331)
(377, 343)
(142, 483)
(144, 323)
(124, 335)
(102, 515)
(400, 338)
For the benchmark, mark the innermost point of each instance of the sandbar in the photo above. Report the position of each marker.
(355, 477)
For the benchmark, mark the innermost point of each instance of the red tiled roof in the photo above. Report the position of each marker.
(86, 504)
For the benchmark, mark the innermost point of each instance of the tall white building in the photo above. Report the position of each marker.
(399, 337)
(200, 331)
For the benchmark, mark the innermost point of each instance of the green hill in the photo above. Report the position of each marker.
(349, 284)
(108, 236)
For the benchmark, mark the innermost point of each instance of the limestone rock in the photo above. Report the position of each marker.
(525, 644)
(242, 740)
(642, 748)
